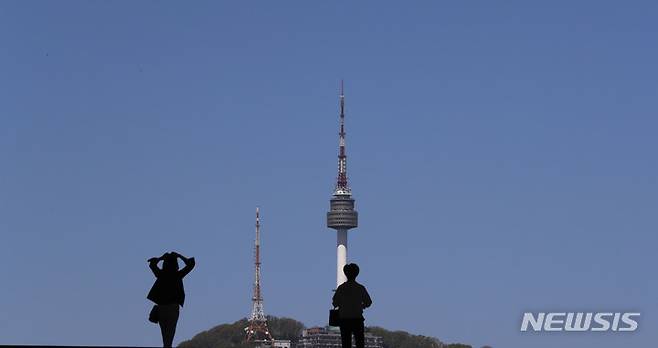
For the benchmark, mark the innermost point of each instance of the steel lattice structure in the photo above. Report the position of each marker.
(257, 331)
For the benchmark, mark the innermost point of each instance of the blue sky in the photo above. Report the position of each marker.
(501, 154)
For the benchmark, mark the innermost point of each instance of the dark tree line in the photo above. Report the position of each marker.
(403, 339)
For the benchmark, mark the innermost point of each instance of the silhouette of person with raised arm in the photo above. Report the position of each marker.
(168, 292)
(351, 298)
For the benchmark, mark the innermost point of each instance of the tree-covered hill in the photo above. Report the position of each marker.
(403, 339)
(232, 336)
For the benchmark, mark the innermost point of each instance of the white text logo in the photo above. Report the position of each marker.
(549, 321)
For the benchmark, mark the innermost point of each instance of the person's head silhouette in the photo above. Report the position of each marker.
(170, 263)
(351, 271)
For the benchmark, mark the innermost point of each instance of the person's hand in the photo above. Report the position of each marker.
(176, 254)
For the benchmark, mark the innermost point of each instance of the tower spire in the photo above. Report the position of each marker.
(342, 187)
(257, 330)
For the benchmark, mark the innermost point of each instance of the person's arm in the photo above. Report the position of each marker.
(153, 265)
(189, 264)
(335, 300)
(367, 301)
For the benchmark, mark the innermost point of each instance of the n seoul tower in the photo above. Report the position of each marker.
(341, 216)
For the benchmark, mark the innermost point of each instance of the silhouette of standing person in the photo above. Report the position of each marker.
(351, 298)
(168, 292)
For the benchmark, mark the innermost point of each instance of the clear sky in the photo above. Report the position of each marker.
(501, 154)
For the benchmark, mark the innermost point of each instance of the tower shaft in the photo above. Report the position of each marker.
(341, 256)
